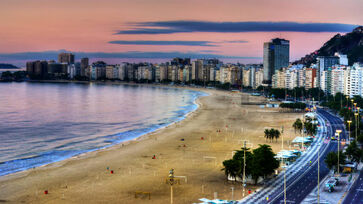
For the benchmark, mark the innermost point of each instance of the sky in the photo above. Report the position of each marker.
(155, 29)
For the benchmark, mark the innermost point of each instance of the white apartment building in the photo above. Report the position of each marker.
(353, 80)
(337, 81)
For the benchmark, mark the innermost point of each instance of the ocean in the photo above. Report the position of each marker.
(42, 123)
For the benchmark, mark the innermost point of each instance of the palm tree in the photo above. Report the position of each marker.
(267, 134)
(277, 134)
(273, 134)
(297, 125)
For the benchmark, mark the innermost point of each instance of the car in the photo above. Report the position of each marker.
(330, 184)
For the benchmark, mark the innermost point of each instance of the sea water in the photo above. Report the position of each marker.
(41, 123)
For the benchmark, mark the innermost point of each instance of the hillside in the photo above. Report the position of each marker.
(350, 44)
(7, 66)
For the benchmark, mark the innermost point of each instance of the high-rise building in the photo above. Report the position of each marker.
(163, 72)
(258, 78)
(324, 63)
(246, 77)
(310, 78)
(276, 55)
(37, 69)
(197, 70)
(84, 65)
(343, 59)
(66, 58)
(337, 81)
(353, 84)
(180, 61)
(279, 79)
(110, 72)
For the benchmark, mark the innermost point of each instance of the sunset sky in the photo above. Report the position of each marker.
(119, 29)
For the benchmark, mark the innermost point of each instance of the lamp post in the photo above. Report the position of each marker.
(282, 136)
(349, 122)
(347, 97)
(171, 182)
(285, 197)
(358, 108)
(244, 167)
(338, 132)
(355, 106)
(356, 129)
(303, 133)
(285, 185)
(319, 174)
(352, 100)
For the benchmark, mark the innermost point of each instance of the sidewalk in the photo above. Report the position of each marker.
(340, 191)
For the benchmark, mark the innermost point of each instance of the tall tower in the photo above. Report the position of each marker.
(84, 66)
(276, 55)
(66, 58)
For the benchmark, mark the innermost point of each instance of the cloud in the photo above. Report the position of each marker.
(169, 27)
(53, 55)
(236, 41)
(147, 42)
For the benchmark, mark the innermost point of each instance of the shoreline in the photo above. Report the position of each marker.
(180, 146)
(201, 93)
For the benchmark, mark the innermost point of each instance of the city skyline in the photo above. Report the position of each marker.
(138, 30)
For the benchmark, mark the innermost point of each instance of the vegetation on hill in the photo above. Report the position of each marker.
(350, 44)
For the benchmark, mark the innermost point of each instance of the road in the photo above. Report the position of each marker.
(355, 194)
(301, 176)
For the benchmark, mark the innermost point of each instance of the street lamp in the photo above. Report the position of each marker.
(338, 132)
(355, 106)
(349, 122)
(319, 174)
(352, 100)
(347, 97)
(244, 167)
(358, 108)
(171, 182)
(356, 130)
(285, 185)
(303, 133)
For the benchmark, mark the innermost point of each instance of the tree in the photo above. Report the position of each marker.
(332, 160)
(260, 162)
(264, 162)
(276, 134)
(310, 127)
(239, 155)
(298, 125)
(7, 74)
(232, 168)
(353, 152)
(360, 138)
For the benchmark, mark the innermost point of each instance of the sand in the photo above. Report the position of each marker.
(85, 178)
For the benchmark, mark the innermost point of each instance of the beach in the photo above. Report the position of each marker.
(192, 147)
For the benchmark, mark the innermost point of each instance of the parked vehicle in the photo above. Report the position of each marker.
(331, 183)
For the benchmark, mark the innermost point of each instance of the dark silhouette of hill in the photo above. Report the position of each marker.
(350, 44)
(7, 66)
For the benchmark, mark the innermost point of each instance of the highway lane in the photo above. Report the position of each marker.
(301, 176)
(355, 194)
(300, 189)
